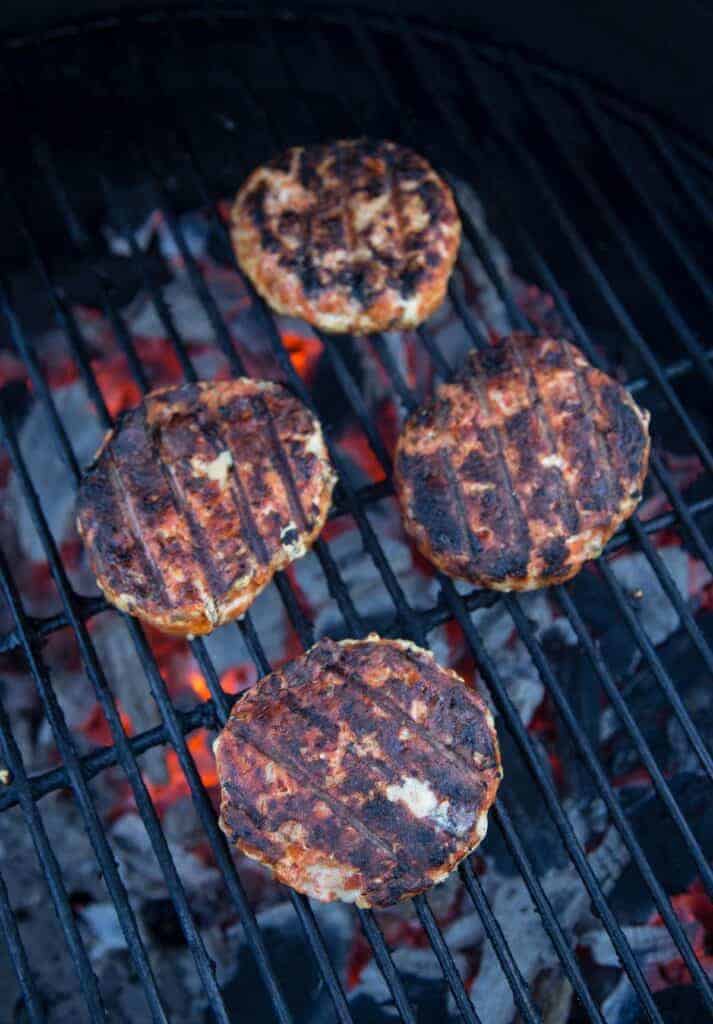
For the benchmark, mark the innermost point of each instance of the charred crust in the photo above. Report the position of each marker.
(431, 503)
(554, 555)
(625, 425)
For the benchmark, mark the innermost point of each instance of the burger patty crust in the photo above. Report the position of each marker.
(362, 771)
(352, 236)
(199, 496)
(522, 467)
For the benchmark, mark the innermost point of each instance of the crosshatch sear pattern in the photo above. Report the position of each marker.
(199, 496)
(352, 236)
(521, 468)
(362, 771)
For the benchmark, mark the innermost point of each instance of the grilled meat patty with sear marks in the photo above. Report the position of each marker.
(362, 771)
(352, 236)
(199, 496)
(522, 467)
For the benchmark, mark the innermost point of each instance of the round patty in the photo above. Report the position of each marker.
(522, 467)
(199, 496)
(354, 236)
(362, 771)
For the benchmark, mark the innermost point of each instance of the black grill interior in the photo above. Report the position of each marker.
(602, 207)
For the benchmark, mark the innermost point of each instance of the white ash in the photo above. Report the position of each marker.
(650, 944)
(50, 476)
(464, 933)
(128, 682)
(489, 305)
(654, 609)
(186, 309)
(416, 963)
(554, 995)
(515, 665)
(522, 927)
(140, 869)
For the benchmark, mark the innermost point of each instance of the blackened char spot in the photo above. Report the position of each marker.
(496, 359)
(554, 357)
(479, 469)
(288, 222)
(356, 280)
(255, 205)
(408, 165)
(309, 277)
(554, 554)
(432, 198)
(498, 565)
(310, 157)
(432, 504)
(629, 437)
(374, 187)
(409, 280)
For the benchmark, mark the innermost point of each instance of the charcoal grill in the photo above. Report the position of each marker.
(600, 203)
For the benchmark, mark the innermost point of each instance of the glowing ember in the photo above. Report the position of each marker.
(200, 748)
(693, 909)
(198, 684)
(304, 354)
(96, 728)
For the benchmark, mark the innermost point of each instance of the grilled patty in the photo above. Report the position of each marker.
(353, 236)
(198, 496)
(521, 468)
(362, 771)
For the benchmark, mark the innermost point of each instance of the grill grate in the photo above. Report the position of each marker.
(405, 67)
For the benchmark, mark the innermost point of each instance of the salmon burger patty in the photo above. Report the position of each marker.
(362, 771)
(523, 466)
(199, 496)
(353, 236)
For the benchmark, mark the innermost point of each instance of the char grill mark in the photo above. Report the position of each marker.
(566, 502)
(153, 582)
(267, 458)
(310, 789)
(461, 517)
(446, 708)
(431, 502)
(599, 482)
(344, 160)
(621, 421)
(282, 463)
(324, 824)
(248, 524)
(208, 518)
(434, 752)
(200, 544)
(519, 541)
(155, 520)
